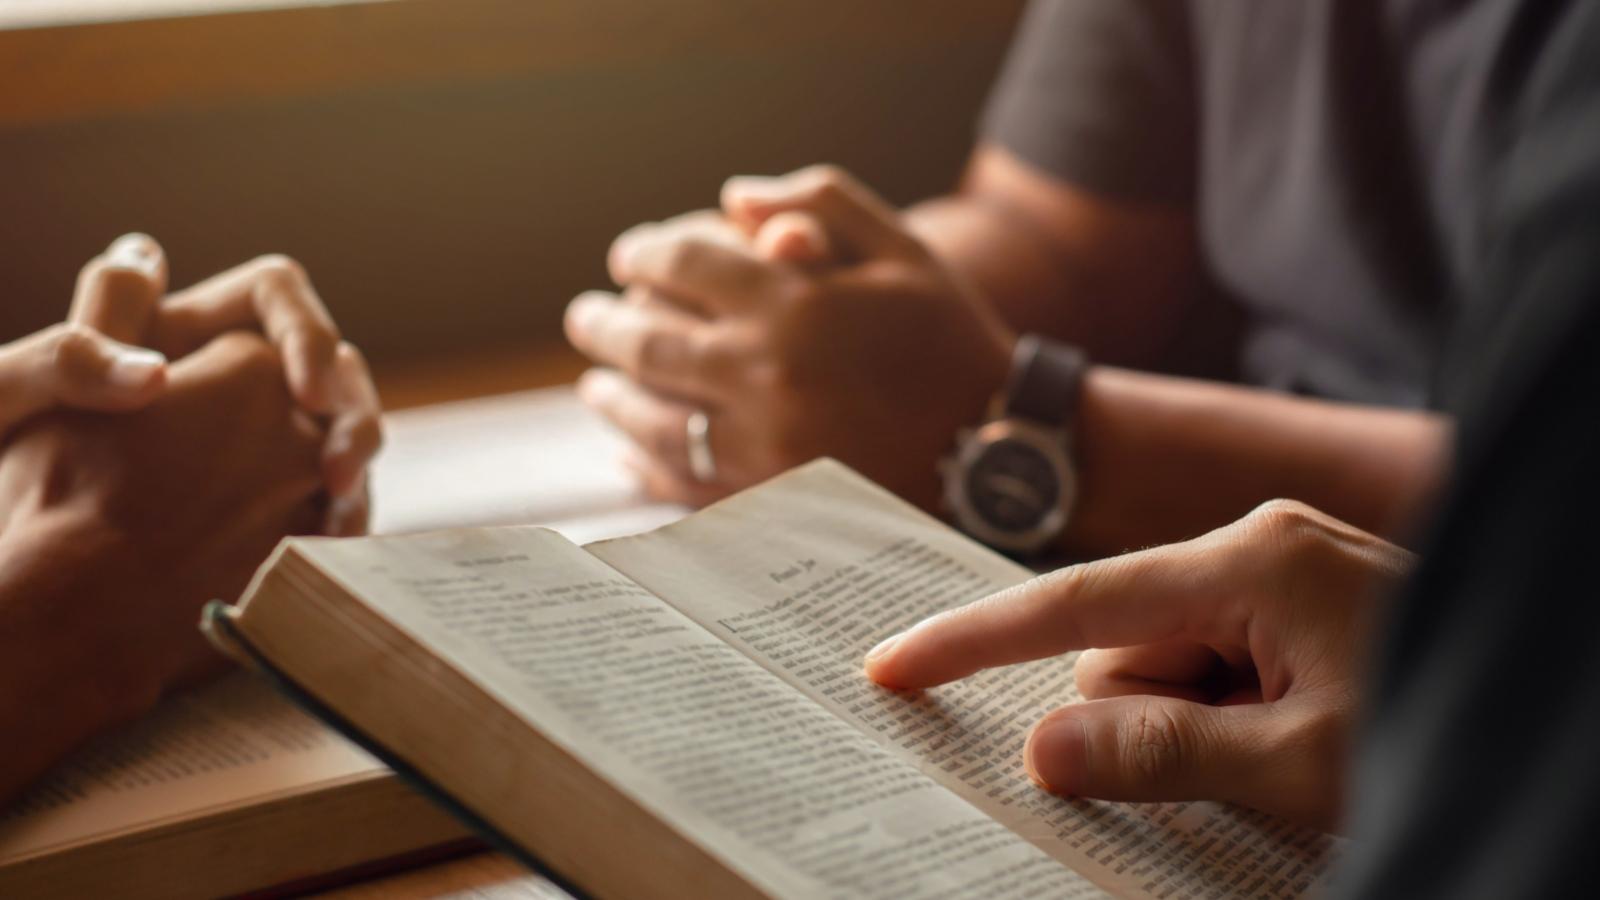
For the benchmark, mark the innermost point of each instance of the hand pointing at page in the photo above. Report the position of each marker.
(1234, 673)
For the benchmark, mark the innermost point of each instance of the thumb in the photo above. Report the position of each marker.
(79, 368)
(861, 222)
(1148, 749)
(119, 291)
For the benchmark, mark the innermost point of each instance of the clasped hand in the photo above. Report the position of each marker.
(804, 320)
(156, 448)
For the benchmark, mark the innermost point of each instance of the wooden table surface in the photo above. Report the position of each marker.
(486, 372)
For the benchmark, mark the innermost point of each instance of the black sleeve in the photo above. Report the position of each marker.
(1479, 772)
(1101, 93)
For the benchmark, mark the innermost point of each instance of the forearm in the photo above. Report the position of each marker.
(1117, 279)
(59, 677)
(1163, 459)
(1021, 274)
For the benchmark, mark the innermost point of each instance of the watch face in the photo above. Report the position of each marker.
(1012, 485)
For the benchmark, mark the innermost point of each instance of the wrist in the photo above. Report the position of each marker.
(1012, 481)
(939, 406)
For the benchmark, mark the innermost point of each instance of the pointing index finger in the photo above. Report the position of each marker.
(1139, 598)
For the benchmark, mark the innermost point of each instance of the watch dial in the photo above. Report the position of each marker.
(1013, 485)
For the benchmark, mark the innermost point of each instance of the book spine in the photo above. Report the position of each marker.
(219, 623)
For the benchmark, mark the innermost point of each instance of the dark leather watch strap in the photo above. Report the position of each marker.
(1044, 382)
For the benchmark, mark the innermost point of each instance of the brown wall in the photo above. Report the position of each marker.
(441, 217)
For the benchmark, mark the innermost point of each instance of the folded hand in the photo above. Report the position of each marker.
(122, 295)
(804, 321)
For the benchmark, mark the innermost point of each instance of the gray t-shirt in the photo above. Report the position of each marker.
(1335, 155)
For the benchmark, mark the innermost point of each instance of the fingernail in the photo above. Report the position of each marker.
(133, 251)
(134, 367)
(1057, 754)
(884, 647)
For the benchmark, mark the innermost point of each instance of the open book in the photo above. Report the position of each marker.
(221, 790)
(230, 788)
(682, 713)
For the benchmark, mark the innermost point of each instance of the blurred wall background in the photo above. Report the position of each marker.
(452, 174)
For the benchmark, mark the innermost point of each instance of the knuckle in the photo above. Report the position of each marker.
(1061, 583)
(683, 256)
(803, 296)
(1283, 512)
(768, 376)
(315, 340)
(351, 355)
(281, 270)
(95, 269)
(71, 349)
(830, 192)
(664, 441)
(1290, 525)
(715, 359)
(69, 339)
(827, 178)
(352, 361)
(653, 350)
(1054, 592)
(704, 355)
(909, 274)
(105, 277)
(1154, 743)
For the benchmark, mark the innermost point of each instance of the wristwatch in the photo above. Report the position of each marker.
(1011, 482)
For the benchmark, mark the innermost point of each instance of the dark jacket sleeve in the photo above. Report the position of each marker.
(1479, 772)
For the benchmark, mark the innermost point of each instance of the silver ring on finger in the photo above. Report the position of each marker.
(702, 465)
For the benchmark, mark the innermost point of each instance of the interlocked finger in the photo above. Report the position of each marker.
(274, 296)
(119, 291)
(653, 342)
(657, 425)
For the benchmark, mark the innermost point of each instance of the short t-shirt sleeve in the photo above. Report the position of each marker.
(1102, 94)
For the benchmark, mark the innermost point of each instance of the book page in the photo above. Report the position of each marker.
(729, 754)
(807, 573)
(229, 743)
